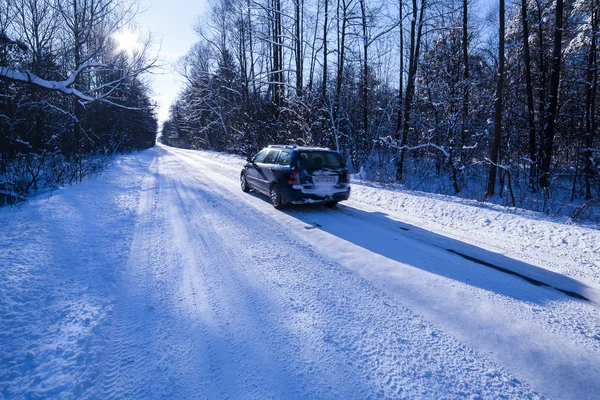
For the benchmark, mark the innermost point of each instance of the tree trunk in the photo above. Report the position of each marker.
(465, 50)
(340, 66)
(529, 89)
(401, 80)
(542, 75)
(244, 62)
(250, 42)
(590, 101)
(298, 40)
(78, 108)
(495, 150)
(324, 85)
(548, 141)
(277, 58)
(416, 31)
(365, 79)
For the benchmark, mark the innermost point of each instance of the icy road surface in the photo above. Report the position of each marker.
(160, 278)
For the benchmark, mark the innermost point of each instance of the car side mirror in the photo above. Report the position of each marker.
(249, 159)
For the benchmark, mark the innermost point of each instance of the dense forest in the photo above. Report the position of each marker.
(68, 97)
(488, 100)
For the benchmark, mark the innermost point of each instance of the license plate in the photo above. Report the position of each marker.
(324, 180)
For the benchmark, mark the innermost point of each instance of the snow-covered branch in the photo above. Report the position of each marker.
(67, 86)
(424, 145)
(64, 86)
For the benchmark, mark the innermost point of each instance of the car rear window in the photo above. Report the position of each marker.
(320, 159)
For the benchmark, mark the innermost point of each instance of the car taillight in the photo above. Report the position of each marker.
(293, 178)
(347, 176)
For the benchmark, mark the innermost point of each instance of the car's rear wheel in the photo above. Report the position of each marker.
(330, 204)
(244, 183)
(275, 195)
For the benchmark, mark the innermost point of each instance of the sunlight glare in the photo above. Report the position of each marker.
(128, 42)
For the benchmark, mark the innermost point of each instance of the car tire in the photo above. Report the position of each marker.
(275, 196)
(244, 183)
(330, 204)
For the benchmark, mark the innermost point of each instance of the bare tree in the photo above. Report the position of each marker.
(590, 98)
(325, 55)
(496, 142)
(365, 70)
(400, 68)
(548, 139)
(416, 33)
(466, 84)
(298, 42)
(529, 89)
(343, 14)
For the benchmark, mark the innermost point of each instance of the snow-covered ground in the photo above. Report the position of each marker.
(160, 278)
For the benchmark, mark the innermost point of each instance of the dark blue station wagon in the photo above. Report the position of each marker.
(297, 175)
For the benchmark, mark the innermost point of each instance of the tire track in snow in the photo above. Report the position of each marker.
(131, 370)
(535, 326)
(205, 290)
(150, 344)
(124, 357)
(331, 318)
(252, 369)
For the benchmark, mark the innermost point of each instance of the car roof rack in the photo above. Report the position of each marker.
(315, 148)
(289, 146)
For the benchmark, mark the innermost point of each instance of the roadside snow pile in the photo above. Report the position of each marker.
(58, 274)
(569, 249)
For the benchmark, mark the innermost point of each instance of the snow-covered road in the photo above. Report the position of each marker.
(162, 279)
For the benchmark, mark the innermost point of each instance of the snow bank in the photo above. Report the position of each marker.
(60, 259)
(564, 247)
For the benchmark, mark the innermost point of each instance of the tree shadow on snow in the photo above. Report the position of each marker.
(441, 255)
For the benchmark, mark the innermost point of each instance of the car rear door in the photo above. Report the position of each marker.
(280, 169)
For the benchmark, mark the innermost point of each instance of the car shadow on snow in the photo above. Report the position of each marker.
(441, 255)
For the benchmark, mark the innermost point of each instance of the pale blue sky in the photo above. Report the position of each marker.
(171, 22)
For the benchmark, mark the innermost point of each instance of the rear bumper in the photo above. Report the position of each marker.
(306, 195)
